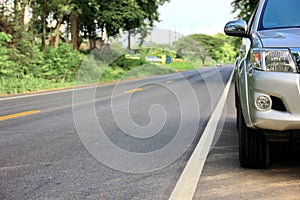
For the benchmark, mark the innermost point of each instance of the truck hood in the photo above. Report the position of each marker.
(289, 38)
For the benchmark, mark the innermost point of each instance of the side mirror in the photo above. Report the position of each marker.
(236, 28)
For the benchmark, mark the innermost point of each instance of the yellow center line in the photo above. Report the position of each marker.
(134, 90)
(2, 118)
(170, 81)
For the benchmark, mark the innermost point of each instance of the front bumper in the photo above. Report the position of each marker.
(285, 88)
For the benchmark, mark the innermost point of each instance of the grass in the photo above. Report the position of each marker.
(30, 84)
(136, 72)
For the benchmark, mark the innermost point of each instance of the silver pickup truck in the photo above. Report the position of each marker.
(267, 79)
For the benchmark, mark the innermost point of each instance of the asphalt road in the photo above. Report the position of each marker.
(149, 128)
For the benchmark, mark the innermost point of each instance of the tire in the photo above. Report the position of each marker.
(237, 105)
(253, 146)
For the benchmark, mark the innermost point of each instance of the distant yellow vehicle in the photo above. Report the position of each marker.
(178, 60)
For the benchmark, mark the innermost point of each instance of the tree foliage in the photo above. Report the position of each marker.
(218, 47)
(190, 49)
(36, 35)
(89, 19)
(244, 8)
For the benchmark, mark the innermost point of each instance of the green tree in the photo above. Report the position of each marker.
(61, 8)
(219, 47)
(25, 56)
(226, 51)
(244, 8)
(101, 19)
(210, 44)
(41, 11)
(191, 49)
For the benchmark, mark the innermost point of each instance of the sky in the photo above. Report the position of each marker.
(195, 16)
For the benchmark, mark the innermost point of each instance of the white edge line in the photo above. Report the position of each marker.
(188, 180)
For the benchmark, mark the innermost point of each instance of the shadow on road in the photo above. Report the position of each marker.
(285, 154)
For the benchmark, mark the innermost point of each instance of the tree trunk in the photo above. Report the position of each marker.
(203, 61)
(16, 10)
(57, 32)
(68, 30)
(44, 33)
(50, 35)
(74, 30)
(129, 41)
(19, 14)
(92, 42)
(23, 7)
(78, 36)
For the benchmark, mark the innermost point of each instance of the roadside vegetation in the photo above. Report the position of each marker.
(43, 44)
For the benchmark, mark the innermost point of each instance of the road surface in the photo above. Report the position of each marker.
(49, 149)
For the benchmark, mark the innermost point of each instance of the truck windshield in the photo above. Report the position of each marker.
(280, 14)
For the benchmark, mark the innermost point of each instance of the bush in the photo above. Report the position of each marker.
(34, 70)
(7, 66)
(111, 74)
(60, 64)
(127, 64)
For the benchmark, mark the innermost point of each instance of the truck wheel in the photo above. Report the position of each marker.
(253, 146)
(237, 105)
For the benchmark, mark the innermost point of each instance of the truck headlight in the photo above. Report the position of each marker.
(273, 60)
